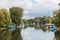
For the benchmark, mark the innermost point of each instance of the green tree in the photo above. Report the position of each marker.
(16, 15)
(56, 21)
(30, 22)
(25, 23)
(47, 19)
(56, 18)
(5, 19)
(37, 22)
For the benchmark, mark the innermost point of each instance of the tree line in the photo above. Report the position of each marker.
(11, 17)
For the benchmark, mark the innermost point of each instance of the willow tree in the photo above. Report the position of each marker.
(5, 19)
(16, 16)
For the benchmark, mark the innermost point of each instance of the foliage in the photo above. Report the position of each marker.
(47, 19)
(12, 18)
(16, 35)
(56, 18)
(25, 23)
(5, 19)
(5, 35)
(16, 15)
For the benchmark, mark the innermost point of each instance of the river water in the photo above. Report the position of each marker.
(32, 34)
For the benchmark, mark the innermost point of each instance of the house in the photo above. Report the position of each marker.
(3, 28)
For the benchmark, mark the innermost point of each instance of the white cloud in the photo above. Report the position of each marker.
(25, 12)
(32, 6)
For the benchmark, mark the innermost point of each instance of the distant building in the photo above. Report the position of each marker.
(3, 28)
(42, 23)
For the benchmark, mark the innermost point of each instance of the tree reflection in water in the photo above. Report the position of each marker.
(57, 35)
(8, 35)
(16, 35)
(5, 35)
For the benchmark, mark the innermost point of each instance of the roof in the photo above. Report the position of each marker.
(49, 24)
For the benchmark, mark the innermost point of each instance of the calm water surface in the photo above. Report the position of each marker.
(32, 34)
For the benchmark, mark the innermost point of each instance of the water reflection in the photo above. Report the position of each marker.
(32, 34)
(57, 35)
(5, 35)
(16, 35)
(10, 35)
(29, 33)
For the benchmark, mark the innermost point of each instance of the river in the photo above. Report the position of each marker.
(31, 33)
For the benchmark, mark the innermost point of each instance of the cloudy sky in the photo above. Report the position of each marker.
(32, 8)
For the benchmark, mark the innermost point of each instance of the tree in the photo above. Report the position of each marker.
(56, 18)
(16, 15)
(25, 23)
(56, 21)
(5, 19)
(47, 19)
(30, 22)
(37, 20)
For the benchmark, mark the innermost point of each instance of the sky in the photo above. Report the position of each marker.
(32, 8)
